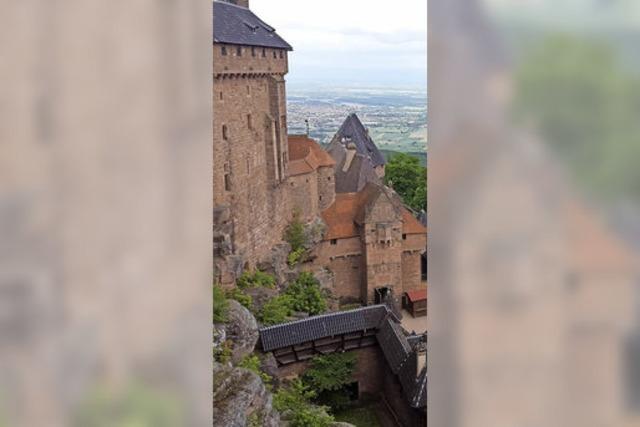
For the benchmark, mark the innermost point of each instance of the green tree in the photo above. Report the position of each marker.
(276, 310)
(330, 372)
(294, 400)
(408, 178)
(306, 295)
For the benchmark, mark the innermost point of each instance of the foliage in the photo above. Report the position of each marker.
(585, 105)
(276, 310)
(306, 295)
(254, 420)
(294, 233)
(252, 363)
(136, 405)
(220, 305)
(408, 178)
(330, 372)
(241, 297)
(364, 416)
(347, 307)
(296, 256)
(295, 399)
(223, 353)
(256, 279)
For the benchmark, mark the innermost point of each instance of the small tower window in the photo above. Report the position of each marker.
(221, 97)
(227, 182)
(264, 52)
(328, 178)
(223, 50)
(225, 132)
(404, 237)
(281, 54)
(253, 51)
(275, 54)
(249, 124)
(334, 241)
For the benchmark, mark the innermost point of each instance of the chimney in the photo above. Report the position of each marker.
(351, 152)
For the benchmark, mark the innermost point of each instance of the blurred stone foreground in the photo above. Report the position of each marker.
(105, 217)
(530, 292)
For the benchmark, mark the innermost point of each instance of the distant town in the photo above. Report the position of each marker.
(396, 117)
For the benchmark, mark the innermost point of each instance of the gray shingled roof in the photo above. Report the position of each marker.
(234, 24)
(352, 130)
(325, 325)
(397, 350)
(359, 173)
(419, 399)
(395, 347)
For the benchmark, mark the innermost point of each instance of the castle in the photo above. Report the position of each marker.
(261, 176)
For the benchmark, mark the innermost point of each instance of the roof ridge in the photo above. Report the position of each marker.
(325, 315)
(232, 4)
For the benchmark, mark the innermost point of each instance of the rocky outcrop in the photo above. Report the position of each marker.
(242, 330)
(240, 398)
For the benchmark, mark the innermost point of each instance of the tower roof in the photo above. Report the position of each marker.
(235, 24)
(352, 130)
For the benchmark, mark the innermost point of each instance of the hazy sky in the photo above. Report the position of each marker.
(352, 41)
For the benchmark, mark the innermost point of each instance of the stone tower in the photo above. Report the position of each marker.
(250, 150)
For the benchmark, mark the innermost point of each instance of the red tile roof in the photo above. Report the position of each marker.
(417, 295)
(341, 217)
(306, 155)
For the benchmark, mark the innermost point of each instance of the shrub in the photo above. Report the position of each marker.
(256, 279)
(296, 256)
(276, 310)
(241, 297)
(222, 354)
(220, 305)
(296, 400)
(252, 363)
(306, 294)
(294, 233)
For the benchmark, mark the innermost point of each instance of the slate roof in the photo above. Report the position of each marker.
(352, 130)
(395, 349)
(356, 175)
(234, 24)
(402, 358)
(325, 325)
(400, 355)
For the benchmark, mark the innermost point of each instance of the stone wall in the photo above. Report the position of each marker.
(326, 187)
(411, 271)
(250, 155)
(304, 194)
